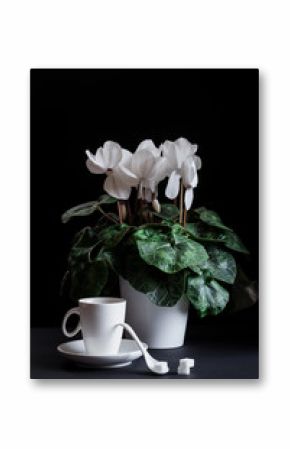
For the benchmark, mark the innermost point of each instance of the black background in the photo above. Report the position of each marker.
(75, 110)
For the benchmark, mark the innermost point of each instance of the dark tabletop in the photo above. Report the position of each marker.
(218, 353)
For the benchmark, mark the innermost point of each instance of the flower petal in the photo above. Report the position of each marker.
(168, 149)
(160, 170)
(150, 184)
(123, 170)
(188, 198)
(184, 149)
(142, 164)
(127, 177)
(172, 188)
(93, 168)
(126, 158)
(115, 187)
(188, 172)
(148, 195)
(148, 144)
(111, 153)
(95, 163)
(197, 162)
(140, 191)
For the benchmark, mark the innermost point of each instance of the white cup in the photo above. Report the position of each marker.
(100, 320)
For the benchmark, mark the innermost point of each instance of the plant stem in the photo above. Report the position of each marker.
(153, 199)
(123, 210)
(181, 201)
(120, 212)
(108, 216)
(144, 204)
(184, 217)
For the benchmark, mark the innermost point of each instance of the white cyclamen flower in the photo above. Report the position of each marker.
(149, 167)
(148, 144)
(183, 164)
(114, 161)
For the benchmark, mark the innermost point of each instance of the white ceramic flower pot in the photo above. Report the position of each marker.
(159, 327)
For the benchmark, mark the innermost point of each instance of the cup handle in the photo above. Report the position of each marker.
(70, 312)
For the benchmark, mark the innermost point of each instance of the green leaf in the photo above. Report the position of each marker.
(106, 199)
(168, 212)
(89, 273)
(190, 254)
(112, 287)
(154, 233)
(170, 252)
(205, 233)
(81, 210)
(89, 208)
(244, 293)
(168, 291)
(112, 235)
(161, 289)
(89, 280)
(84, 243)
(110, 257)
(86, 237)
(221, 265)
(207, 297)
(178, 234)
(160, 255)
(232, 241)
(135, 270)
(210, 217)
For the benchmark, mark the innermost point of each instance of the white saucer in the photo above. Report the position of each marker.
(74, 350)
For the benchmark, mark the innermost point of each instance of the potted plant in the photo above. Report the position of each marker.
(166, 256)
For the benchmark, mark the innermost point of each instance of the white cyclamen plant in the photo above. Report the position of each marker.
(146, 168)
(167, 251)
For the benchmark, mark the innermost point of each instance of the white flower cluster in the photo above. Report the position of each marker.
(146, 168)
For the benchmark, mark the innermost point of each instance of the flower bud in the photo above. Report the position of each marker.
(156, 205)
